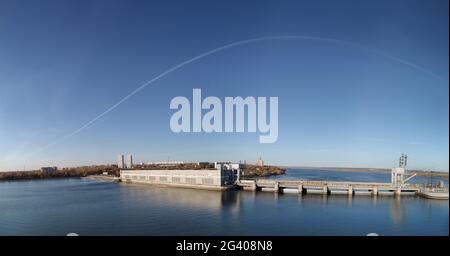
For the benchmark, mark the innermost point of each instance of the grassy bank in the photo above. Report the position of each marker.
(262, 171)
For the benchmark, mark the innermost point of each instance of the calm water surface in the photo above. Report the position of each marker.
(87, 207)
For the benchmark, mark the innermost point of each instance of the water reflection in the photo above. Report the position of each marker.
(179, 197)
(237, 209)
(98, 208)
(396, 210)
(268, 213)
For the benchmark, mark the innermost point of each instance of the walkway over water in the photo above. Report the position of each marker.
(327, 187)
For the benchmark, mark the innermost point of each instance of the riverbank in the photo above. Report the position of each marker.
(114, 171)
(72, 172)
(103, 178)
(252, 171)
(421, 173)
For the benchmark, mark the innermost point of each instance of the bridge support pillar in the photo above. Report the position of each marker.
(350, 190)
(375, 191)
(276, 187)
(325, 189)
(254, 187)
(398, 192)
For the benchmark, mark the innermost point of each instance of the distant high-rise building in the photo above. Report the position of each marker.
(121, 161)
(130, 161)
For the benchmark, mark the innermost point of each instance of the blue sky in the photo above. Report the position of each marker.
(63, 63)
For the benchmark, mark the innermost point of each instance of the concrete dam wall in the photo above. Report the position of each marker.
(205, 178)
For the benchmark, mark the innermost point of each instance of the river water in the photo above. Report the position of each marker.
(88, 207)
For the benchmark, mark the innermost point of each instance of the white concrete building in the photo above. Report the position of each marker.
(223, 177)
(397, 175)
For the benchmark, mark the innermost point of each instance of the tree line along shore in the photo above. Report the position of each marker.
(113, 170)
(81, 171)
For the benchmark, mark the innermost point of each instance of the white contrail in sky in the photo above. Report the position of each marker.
(248, 41)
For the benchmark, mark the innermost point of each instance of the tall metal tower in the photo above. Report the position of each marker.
(403, 160)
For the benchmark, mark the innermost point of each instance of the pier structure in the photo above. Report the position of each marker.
(327, 187)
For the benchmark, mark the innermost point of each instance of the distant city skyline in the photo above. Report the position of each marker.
(64, 63)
